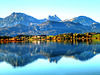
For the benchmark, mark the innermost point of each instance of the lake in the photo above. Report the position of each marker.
(50, 58)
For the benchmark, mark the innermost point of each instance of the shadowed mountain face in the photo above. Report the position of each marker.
(20, 54)
(17, 29)
(1, 19)
(54, 28)
(95, 26)
(48, 28)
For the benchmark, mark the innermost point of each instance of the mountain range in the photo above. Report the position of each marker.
(20, 23)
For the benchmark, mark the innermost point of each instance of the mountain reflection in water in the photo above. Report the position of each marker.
(21, 54)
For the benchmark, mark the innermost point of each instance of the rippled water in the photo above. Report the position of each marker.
(50, 58)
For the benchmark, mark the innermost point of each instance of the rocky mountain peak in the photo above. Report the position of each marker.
(53, 18)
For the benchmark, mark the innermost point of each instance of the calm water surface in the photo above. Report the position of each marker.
(50, 58)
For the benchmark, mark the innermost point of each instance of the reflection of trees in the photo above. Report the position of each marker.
(19, 54)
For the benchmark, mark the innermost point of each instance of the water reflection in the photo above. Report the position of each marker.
(21, 54)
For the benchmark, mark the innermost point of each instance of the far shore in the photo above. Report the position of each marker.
(61, 37)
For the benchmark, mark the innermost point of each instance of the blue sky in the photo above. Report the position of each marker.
(65, 9)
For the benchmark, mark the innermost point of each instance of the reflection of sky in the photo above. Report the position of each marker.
(64, 66)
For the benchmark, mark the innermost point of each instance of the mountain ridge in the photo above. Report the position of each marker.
(47, 28)
(17, 17)
(20, 23)
(84, 20)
